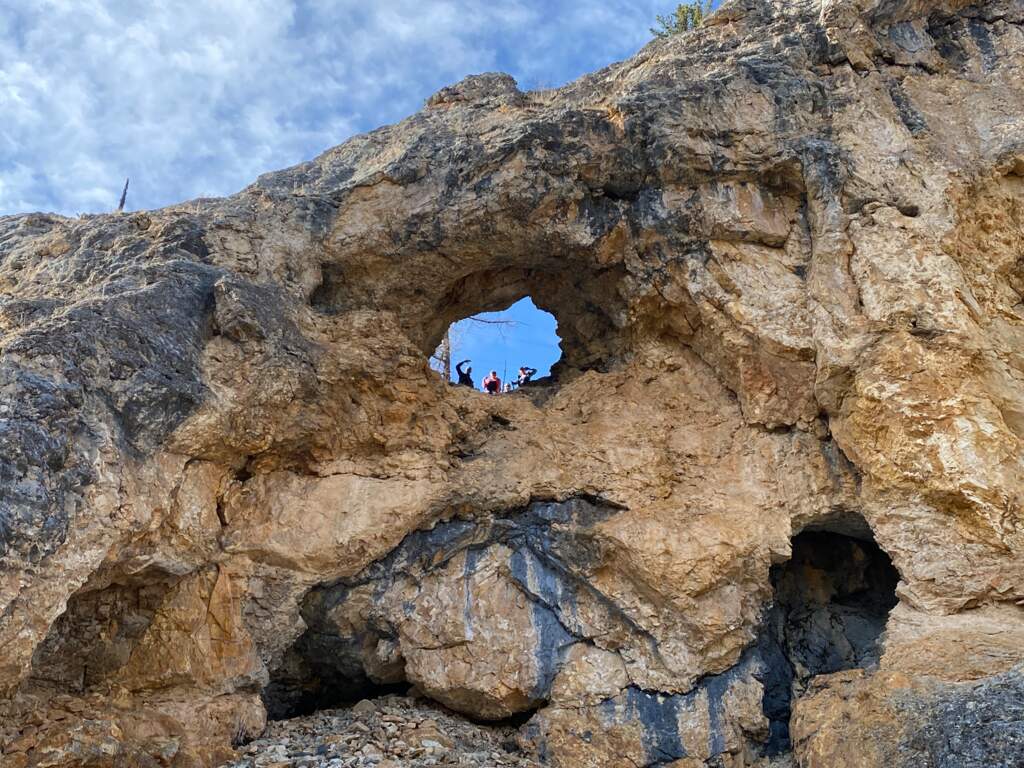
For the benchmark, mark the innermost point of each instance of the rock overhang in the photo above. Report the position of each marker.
(786, 266)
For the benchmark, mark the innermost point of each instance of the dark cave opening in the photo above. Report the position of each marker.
(323, 671)
(832, 600)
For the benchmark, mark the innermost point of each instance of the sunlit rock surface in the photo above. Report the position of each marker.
(786, 257)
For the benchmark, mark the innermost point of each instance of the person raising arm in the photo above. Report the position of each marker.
(525, 374)
(465, 376)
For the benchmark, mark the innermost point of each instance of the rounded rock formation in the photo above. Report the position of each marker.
(786, 256)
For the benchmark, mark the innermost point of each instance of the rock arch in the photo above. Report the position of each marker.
(766, 320)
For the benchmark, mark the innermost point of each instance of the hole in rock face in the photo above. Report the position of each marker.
(587, 306)
(323, 671)
(429, 292)
(520, 344)
(832, 600)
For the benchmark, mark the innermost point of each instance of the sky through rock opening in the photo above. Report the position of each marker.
(519, 335)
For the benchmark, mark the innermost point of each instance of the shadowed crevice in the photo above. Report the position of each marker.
(832, 600)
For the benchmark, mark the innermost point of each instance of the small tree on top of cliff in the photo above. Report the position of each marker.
(686, 17)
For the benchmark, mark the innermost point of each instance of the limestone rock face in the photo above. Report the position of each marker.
(786, 257)
(890, 719)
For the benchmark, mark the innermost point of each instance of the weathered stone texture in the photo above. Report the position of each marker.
(786, 255)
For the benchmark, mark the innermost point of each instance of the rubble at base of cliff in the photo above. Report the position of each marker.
(389, 732)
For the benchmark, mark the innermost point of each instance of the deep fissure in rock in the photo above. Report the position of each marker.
(832, 600)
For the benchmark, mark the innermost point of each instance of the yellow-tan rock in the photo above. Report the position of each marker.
(786, 256)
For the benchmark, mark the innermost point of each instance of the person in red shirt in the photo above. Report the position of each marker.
(492, 384)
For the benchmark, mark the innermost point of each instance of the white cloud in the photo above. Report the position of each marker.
(197, 97)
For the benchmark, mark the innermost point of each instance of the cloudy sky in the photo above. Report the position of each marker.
(195, 98)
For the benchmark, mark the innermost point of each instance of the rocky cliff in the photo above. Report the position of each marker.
(768, 508)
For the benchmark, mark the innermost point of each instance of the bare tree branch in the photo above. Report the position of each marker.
(446, 355)
(476, 319)
(441, 360)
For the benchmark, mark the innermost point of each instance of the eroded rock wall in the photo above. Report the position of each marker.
(785, 255)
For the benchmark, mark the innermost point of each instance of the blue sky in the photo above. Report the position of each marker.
(195, 98)
(529, 338)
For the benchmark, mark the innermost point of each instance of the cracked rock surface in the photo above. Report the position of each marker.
(786, 257)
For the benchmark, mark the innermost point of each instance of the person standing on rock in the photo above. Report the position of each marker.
(492, 384)
(525, 374)
(465, 376)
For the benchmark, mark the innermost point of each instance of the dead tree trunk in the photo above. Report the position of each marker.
(124, 196)
(446, 355)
